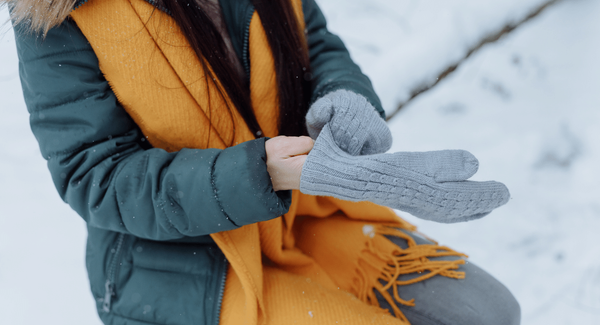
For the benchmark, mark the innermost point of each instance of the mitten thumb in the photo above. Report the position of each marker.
(318, 115)
(442, 166)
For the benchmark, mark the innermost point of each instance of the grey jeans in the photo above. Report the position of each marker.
(479, 299)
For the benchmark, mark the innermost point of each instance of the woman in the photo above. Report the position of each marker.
(154, 118)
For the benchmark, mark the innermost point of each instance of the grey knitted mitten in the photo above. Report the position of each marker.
(430, 185)
(357, 127)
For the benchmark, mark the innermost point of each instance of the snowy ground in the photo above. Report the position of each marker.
(405, 44)
(527, 106)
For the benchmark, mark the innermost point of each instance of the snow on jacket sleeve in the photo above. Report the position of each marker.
(332, 67)
(104, 169)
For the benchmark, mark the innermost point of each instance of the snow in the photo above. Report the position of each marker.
(42, 241)
(405, 44)
(527, 106)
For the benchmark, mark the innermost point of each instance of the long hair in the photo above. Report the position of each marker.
(289, 50)
(292, 64)
(285, 38)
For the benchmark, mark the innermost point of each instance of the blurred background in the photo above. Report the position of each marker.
(513, 81)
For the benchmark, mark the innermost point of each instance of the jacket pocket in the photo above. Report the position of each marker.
(168, 283)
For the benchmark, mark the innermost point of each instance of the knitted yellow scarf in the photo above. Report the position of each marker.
(337, 248)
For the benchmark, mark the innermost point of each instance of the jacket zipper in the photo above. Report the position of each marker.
(221, 292)
(109, 285)
(245, 47)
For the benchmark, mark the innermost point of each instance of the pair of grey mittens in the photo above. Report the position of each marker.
(348, 162)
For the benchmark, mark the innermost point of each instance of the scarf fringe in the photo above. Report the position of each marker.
(413, 259)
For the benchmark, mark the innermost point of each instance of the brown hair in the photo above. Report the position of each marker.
(292, 64)
(289, 49)
(285, 38)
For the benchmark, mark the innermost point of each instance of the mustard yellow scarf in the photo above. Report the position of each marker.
(322, 249)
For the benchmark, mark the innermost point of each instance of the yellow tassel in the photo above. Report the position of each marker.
(398, 261)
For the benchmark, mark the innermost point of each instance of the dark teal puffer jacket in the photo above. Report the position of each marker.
(149, 212)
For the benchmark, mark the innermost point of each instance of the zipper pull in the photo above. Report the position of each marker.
(108, 293)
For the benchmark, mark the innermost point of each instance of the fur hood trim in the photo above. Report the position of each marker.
(39, 15)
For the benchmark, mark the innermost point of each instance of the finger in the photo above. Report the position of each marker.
(289, 173)
(296, 163)
(294, 146)
(452, 165)
(442, 166)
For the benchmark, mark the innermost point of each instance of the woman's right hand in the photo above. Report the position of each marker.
(285, 158)
(357, 127)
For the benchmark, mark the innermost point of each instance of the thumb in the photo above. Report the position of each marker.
(318, 115)
(451, 165)
(442, 166)
(285, 147)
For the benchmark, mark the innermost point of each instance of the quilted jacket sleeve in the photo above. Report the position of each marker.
(104, 169)
(332, 67)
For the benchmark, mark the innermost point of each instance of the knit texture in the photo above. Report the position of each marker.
(429, 185)
(356, 126)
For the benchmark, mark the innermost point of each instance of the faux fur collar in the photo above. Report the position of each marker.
(40, 15)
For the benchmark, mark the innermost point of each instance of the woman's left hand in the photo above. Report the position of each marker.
(285, 158)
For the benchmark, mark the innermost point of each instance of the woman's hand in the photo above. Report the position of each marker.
(285, 158)
(430, 185)
(355, 124)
